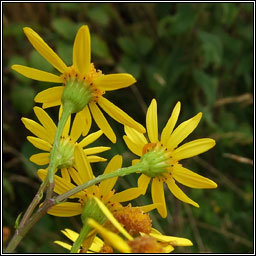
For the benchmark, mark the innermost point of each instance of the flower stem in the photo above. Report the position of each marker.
(120, 172)
(83, 233)
(22, 231)
(53, 160)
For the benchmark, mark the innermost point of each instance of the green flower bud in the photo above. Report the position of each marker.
(65, 153)
(77, 94)
(154, 163)
(92, 210)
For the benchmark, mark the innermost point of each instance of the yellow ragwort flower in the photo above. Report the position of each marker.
(81, 174)
(154, 242)
(163, 155)
(85, 83)
(44, 140)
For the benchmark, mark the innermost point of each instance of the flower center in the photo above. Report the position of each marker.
(134, 220)
(80, 90)
(155, 159)
(65, 153)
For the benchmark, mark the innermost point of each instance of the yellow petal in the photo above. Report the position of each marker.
(157, 191)
(87, 120)
(83, 167)
(126, 195)
(95, 159)
(39, 143)
(167, 131)
(90, 139)
(182, 131)
(50, 95)
(40, 158)
(119, 115)
(39, 44)
(111, 238)
(82, 51)
(114, 164)
(114, 81)
(37, 74)
(51, 104)
(151, 122)
(193, 148)
(102, 122)
(64, 245)
(149, 207)
(135, 136)
(112, 219)
(168, 248)
(77, 128)
(75, 176)
(66, 209)
(65, 174)
(72, 235)
(191, 179)
(178, 193)
(61, 184)
(143, 182)
(134, 148)
(95, 150)
(175, 241)
(36, 129)
(46, 121)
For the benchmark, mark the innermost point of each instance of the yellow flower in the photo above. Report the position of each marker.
(163, 156)
(96, 245)
(44, 140)
(81, 174)
(91, 83)
(153, 242)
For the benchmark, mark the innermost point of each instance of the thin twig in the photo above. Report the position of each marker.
(238, 158)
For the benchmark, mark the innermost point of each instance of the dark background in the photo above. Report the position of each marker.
(198, 53)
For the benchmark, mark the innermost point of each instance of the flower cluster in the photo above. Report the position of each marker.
(108, 224)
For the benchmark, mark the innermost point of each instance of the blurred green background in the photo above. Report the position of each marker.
(198, 53)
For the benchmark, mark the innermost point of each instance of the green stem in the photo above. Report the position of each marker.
(53, 159)
(34, 203)
(26, 224)
(120, 172)
(84, 232)
(21, 232)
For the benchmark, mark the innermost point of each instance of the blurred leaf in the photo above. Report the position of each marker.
(65, 51)
(98, 14)
(22, 97)
(38, 62)
(212, 48)
(229, 13)
(184, 19)
(7, 187)
(65, 27)
(208, 84)
(128, 45)
(70, 6)
(16, 30)
(130, 66)
(99, 47)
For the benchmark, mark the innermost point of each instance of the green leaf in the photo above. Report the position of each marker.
(212, 48)
(128, 45)
(65, 52)
(99, 47)
(17, 222)
(22, 97)
(208, 84)
(131, 67)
